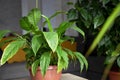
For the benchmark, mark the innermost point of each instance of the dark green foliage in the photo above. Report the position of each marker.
(90, 15)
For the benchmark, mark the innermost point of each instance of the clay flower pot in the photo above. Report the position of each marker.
(51, 74)
(114, 75)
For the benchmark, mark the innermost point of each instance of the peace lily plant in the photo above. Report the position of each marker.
(43, 48)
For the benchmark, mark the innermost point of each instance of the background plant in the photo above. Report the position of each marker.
(107, 41)
(114, 55)
(90, 15)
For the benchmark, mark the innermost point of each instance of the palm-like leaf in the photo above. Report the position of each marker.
(12, 49)
(44, 62)
(79, 30)
(62, 59)
(49, 23)
(82, 60)
(3, 33)
(63, 27)
(35, 66)
(70, 53)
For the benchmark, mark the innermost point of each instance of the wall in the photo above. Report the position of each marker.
(49, 7)
(10, 14)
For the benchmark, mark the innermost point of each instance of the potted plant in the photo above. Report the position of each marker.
(43, 48)
(109, 43)
(90, 16)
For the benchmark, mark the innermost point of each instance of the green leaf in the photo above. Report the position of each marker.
(3, 33)
(36, 43)
(52, 16)
(105, 1)
(84, 13)
(25, 24)
(35, 67)
(85, 17)
(107, 25)
(3, 42)
(88, 22)
(70, 3)
(63, 59)
(70, 53)
(34, 16)
(115, 53)
(67, 38)
(110, 59)
(72, 14)
(98, 20)
(52, 39)
(82, 60)
(118, 48)
(63, 27)
(29, 54)
(118, 61)
(11, 50)
(28, 51)
(44, 62)
(79, 30)
(49, 23)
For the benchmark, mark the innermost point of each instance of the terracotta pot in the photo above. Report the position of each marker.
(51, 74)
(114, 75)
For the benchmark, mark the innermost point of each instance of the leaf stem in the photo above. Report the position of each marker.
(49, 23)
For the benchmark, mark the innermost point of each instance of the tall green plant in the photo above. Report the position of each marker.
(43, 48)
(90, 16)
(115, 53)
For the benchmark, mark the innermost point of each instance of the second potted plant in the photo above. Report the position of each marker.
(43, 48)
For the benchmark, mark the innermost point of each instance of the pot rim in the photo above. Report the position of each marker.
(49, 68)
(114, 72)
